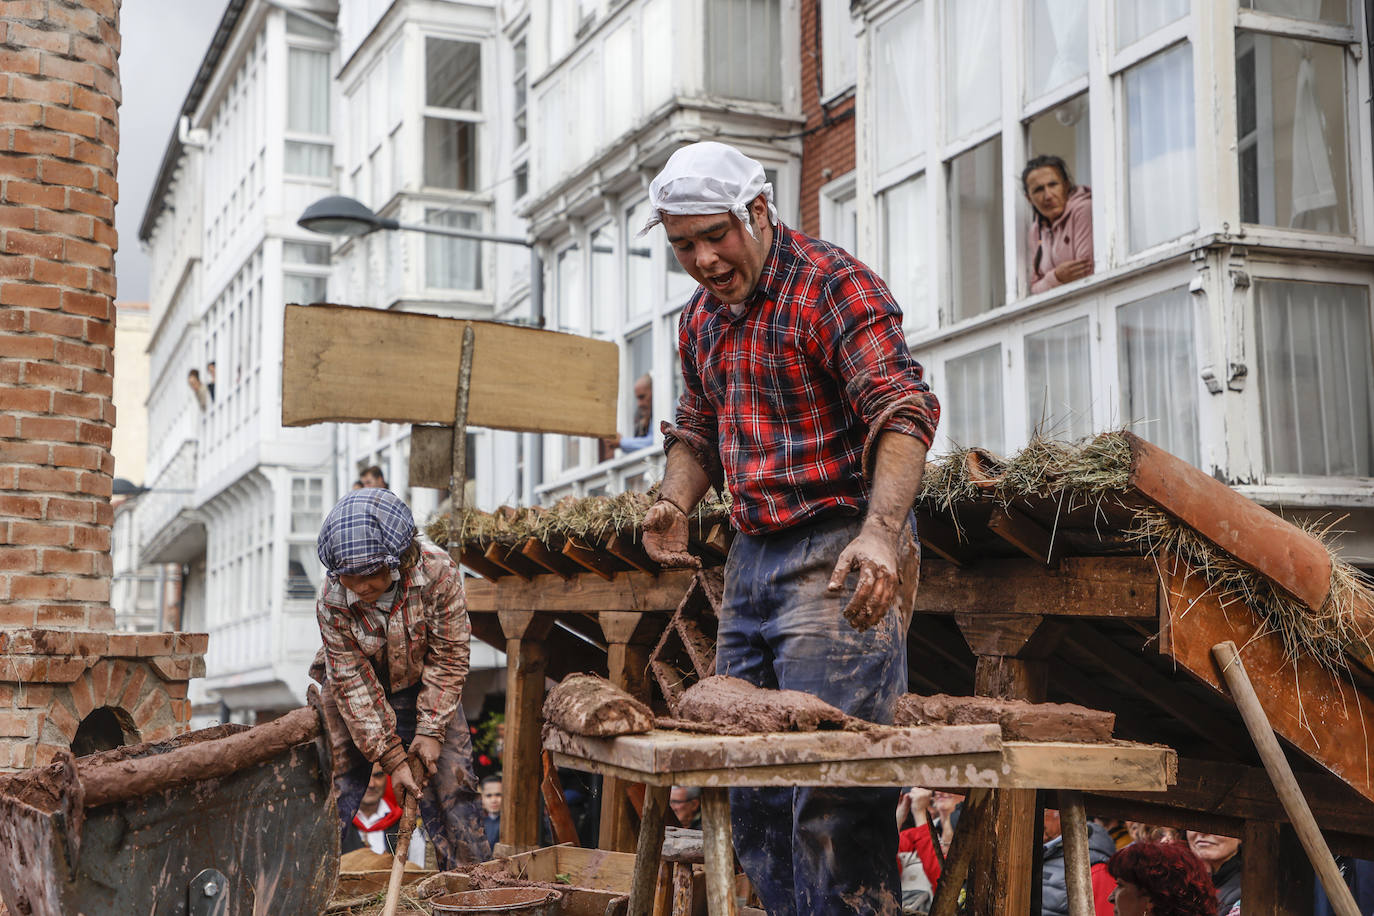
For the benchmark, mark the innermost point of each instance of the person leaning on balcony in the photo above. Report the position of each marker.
(393, 619)
(1061, 232)
(800, 394)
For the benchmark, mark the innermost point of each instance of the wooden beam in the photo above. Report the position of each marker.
(631, 591)
(591, 560)
(534, 550)
(1320, 713)
(527, 658)
(1259, 885)
(631, 554)
(496, 554)
(474, 560)
(941, 538)
(340, 365)
(1097, 587)
(1024, 533)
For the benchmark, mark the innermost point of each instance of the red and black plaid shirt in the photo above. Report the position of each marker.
(785, 401)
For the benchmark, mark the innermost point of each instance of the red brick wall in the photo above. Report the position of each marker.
(59, 92)
(828, 153)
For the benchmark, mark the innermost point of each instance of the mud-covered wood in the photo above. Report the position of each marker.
(270, 827)
(732, 702)
(1019, 720)
(583, 704)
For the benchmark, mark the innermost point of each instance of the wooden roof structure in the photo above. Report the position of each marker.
(1100, 574)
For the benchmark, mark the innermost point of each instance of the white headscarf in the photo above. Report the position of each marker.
(709, 177)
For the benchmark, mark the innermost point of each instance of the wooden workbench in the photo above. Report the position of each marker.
(946, 756)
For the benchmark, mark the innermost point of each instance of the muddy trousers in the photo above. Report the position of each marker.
(450, 807)
(812, 850)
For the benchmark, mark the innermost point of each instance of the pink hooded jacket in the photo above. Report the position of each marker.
(1070, 238)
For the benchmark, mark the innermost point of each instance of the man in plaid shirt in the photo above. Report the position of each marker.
(801, 397)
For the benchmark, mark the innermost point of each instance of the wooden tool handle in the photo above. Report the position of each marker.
(410, 812)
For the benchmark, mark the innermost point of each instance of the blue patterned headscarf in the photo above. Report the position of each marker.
(366, 531)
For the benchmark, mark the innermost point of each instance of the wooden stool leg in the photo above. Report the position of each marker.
(684, 898)
(719, 852)
(1077, 864)
(648, 851)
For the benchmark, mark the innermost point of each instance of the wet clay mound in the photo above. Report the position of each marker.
(584, 704)
(1019, 720)
(730, 704)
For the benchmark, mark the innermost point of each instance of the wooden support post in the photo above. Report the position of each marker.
(648, 851)
(968, 835)
(527, 656)
(1011, 665)
(1260, 872)
(1073, 821)
(629, 640)
(719, 852)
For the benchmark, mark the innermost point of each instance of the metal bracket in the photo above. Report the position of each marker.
(208, 894)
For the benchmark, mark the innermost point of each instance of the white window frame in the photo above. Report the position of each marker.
(834, 197)
(467, 116)
(834, 15)
(325, 140)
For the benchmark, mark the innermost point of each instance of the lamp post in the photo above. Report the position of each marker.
(346, 217)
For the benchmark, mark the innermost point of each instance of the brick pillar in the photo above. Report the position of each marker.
(59, 132)
(58, 137)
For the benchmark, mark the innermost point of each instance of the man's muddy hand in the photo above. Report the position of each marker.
(874, 555)
(403, 781)
(665, 536)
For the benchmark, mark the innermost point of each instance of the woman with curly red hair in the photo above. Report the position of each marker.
(1161, 879)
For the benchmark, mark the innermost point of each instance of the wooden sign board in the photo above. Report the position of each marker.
(344, 364)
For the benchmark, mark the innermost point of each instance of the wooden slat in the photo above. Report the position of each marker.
(942, 539)
(1319, 713)
(1103, 587)
(340, 365)
(592, 560)
(496, 554)
(1024, 533)
(1089, 767)
(534, 550)
(478, 563)
(630, 553)
(631, 591)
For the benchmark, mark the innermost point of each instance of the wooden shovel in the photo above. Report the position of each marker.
(409, 813)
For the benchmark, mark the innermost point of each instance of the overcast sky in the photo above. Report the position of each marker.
(163, 43)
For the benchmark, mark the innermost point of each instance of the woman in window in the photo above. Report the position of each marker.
(1061, 232)
(393, 619)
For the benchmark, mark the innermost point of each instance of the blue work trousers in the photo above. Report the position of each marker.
(812, 850)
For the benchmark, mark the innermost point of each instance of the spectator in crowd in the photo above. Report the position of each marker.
(686, 804)
(1222, 856)
(1359, 877)
(1116, 829)
(491, 808)
(377, 820)
(1054, 892)
(916, 855)
(643, 424)
(373, 477)
(210, 378)
(198, 387)
(358, 485)
(1162, 879)
(1151, 833)
(1061, 232)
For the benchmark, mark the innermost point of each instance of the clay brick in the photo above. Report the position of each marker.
(175, 690)
(94, 102)
(105, 184)
(73, 71)
(28, 295)
(38, 534)
(28, 37)
(101, 617)
(12, 319)
(67, 561)
(51, 375)
(55, 480)
(85, 406)
(49, 428)
(17, 724)
(40, 142)
(24, 346)
(18, 241)
(100, 683)
(15, 268)
(30, 400)
(97, 205)
(81, 696)
(76, 224)
(124, 645)
(149, 707)
(119, 674)
(63, 718)
(72, 122)
(97, 53)
(86, 304)
(42, 587)
(195, 643)
(98, 256)
(151, 644)
(18, 218)
(86, 457)
(21, 61)
(20, 114)
(74, 19)
(97, 382)
(60, 275)
(103, 233)
(87, 356)
(47, 641)
(48, 322)
(21, 87)
(89, 589)
(34, 194)
(60, 615)
(15, 506)
(132, 690)
(18, 559)
(21, 167)
(87, 537)
(92, 434)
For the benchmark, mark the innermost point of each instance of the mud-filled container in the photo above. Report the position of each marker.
(510, 901)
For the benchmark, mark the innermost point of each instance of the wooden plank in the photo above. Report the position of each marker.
(478, 563)
(513, 559)
(1097, 587)
(1077, 866)
(534, 550)
(650, 845)
(1024, 533)
(719, 853)
(631, 554)
(1088, 767)
(968, 833)
(662, 751)
(1321, 714)
(496, 554)
(431, 456)
(340, 364)
(591, 560)
(1259, 883)
(631, 591)
(526, 665)
(941, 538)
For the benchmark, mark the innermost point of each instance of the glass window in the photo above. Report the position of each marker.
(905, 247)
(572, 315)
(744, 49)
(303, 573)
(1160, 148)
(1058, 44)
(451, 154)
(1290, 114)
(452, 262)
(1325, 10)
(973, 61)
(975, 231)
(680, 283)
(1059, 381)
(1063, 131)
(639, 272)
(972, 400)
(603, 265)
(1157, 365)
(307, 101)
(304, 290)
(307, 505)
(640, 353)
(522, 180)
(453, 74)
(305, 253)
(521, 92)
(839, 47)
(310, 159)
(1137, 18)
(900, 105)
(1316, 373)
